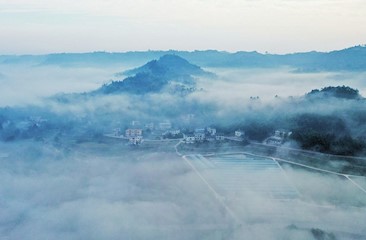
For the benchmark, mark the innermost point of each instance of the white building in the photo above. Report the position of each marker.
(136, 140)
(278, 138)
(174, 133)
(211, 131)
(274, 140)
(220, 137)
(189, 139)
(133, 132)
(239, 133)
(199, 134)
(282, 134)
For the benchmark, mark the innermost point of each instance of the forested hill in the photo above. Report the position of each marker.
(168, 71)
(336, 92)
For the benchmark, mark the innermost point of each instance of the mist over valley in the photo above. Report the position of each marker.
(183, 145)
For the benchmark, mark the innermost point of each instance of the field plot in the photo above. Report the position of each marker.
(361, 181)
(238, 176)
(327, 188)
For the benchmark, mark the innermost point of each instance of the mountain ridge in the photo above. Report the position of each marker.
(348, 59)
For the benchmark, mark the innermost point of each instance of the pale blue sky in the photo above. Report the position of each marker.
(276, 26)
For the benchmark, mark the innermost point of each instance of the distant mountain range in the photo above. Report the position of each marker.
(169, 72)
(350, 59)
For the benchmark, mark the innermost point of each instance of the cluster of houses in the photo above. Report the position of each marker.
(135, 136)
(164, 130)
(211, 135)
(136, 132)
(203, 134)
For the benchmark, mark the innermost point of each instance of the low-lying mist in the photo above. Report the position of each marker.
(104, 191)
(24, 84)
(241, 84)
(62, 179)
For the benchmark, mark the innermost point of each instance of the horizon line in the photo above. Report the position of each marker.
(176, 50)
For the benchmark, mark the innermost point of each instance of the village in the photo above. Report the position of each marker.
(136, 133)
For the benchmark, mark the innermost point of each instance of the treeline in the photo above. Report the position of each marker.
(327, 134)
(312, 131)
(344, 92)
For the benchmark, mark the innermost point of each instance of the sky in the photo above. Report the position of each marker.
(276, 26)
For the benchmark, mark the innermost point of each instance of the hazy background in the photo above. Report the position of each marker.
(276, 26)
(24, 84)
